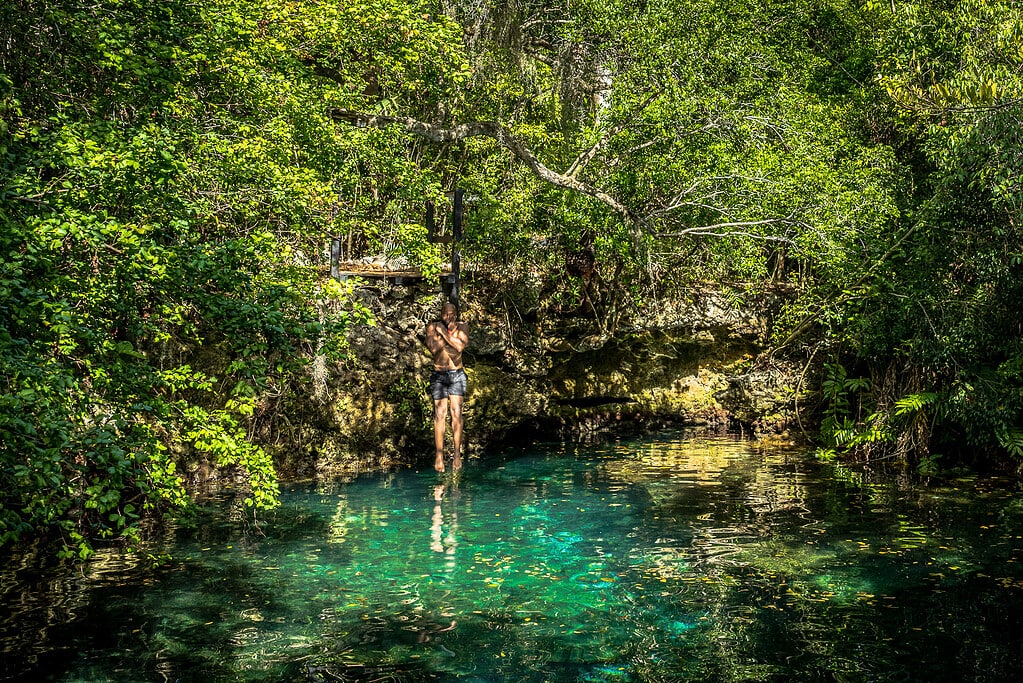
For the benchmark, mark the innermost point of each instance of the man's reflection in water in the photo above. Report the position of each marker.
(439, 541)
(444, 540)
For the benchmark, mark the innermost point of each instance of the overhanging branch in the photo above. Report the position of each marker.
(497, 132)
(728, 230)
(735, 224)
(731, 233)
(504, 137)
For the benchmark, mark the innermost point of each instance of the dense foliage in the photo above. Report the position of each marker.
(172, 171)
(935, 327)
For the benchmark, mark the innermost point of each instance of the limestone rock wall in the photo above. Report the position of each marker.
(678, 362)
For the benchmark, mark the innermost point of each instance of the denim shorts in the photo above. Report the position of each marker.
(444, 383)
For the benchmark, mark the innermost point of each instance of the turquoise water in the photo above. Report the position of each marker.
(670, 558)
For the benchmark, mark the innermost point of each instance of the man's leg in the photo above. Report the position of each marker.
(456, 428)
(440, 414)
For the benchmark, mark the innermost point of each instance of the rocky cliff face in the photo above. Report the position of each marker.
(691, 362)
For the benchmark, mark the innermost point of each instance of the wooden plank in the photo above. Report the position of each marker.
(380, 273)
(345, 270)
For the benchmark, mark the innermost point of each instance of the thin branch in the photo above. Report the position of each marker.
(737, 224)
(643, 145)
(689, 190)
(928, 105)
(586, 157)
(31, 200)
(701, 205)
(661, 138)
(529, 23)
(834, 62)
(540, 57)
(734, 233)
(676, 203)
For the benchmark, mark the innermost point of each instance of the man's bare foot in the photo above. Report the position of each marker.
(456, 462)
(438, 463)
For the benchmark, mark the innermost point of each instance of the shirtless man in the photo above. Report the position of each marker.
(446, 340)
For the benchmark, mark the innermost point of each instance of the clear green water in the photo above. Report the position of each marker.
(669, 558)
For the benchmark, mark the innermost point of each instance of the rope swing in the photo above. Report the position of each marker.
(452, 283)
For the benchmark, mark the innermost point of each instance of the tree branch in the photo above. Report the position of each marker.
(698, 233)
(710, 230)
(500, 134)
(539, 56)
(587, 156)
(736, 224)
(504, 137)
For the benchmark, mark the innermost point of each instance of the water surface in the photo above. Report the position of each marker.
(669, 558)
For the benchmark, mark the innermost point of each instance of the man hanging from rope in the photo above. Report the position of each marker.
(446, 340)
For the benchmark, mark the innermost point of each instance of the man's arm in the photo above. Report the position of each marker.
(434, 337)
(455, 336)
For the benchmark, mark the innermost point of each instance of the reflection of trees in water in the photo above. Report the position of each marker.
(700, 528)
(412, 672)
(806, 573)
(738, 558)
(40, 598)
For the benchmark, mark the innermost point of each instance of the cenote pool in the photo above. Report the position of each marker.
(674, 557)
